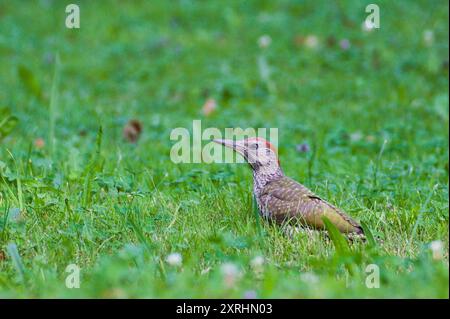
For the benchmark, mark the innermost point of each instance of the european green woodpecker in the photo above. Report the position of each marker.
(282, 199)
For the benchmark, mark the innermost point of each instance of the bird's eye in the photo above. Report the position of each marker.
(255, 146)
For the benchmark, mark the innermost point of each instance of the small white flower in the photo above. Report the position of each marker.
(264, 41)
(229, 269)
(437, 249)
(257, 262)
(174, 259)
(309, 277)
(312, 41)
(230, 274)
(367, 26)
(428, 37)
(356, 136)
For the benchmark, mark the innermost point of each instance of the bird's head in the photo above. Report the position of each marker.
(258, 152)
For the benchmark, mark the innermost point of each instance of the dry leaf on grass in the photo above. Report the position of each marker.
(39, 143)
(132, 131)
(209, 107)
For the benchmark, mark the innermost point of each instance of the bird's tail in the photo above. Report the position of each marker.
(356, 236)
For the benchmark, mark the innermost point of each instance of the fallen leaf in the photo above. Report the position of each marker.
(209, 106)
(331, 41)
(299, 40)
(132, 131)
(39, 143)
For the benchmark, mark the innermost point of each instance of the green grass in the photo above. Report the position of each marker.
(375, 116)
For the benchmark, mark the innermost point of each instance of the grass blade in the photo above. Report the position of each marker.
(14, 254)
(369, 236)
(340, 243)
(257, 216)
(53, 104)
(94, 166)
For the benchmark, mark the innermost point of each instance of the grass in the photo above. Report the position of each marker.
(375, 116)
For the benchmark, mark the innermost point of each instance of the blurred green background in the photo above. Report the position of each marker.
(369, 107)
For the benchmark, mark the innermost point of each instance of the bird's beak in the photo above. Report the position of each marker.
(230, 144)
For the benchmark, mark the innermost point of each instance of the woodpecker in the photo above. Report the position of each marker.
(282, 199)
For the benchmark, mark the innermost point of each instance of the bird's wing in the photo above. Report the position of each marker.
(285, 199)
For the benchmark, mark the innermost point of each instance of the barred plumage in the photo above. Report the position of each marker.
(282, 199)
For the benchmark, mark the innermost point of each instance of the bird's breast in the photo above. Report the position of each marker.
(260, 201)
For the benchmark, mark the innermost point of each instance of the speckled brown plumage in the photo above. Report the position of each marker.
(282, 199)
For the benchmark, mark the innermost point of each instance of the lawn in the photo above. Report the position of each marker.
(369, 109)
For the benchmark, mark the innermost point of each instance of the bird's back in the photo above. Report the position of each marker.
(286, 200)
